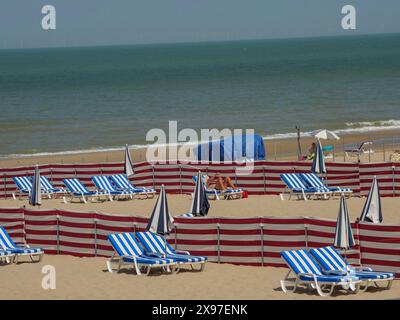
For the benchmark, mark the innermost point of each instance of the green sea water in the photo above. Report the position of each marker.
(64, 99)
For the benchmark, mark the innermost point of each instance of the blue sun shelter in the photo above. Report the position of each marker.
(246, 147)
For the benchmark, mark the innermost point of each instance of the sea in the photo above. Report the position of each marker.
(70, 99)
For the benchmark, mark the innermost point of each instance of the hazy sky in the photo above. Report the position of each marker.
(106, 22)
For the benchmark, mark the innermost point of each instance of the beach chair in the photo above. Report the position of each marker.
(215, 194)
(296, 186)
(129, 252)
(156, 245)
(24, 186)
(122, 182)
(49, 189)
(356, 152)
(104, 185)
(332, 261)
(313, 181)
(77, 190)
(7, 244)
(307, 272)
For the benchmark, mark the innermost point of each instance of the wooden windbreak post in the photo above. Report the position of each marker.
(265, 182)
(394, 180)
(306, 235)
(5, 186)
(58, 234)
(262, 243)
(218, 243)
(95, 237)
(153, 173)
(176, 237)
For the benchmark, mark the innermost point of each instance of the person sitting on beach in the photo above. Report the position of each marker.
(219, 182)
(311, 151)
(395, 156)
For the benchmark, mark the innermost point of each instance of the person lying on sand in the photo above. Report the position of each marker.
(219, 182)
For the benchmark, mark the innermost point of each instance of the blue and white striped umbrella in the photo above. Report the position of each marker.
(318, 165)
(372, 211)
(343, 235)
(200, 204)
(128, 164)
(161, 221)
(35, 198)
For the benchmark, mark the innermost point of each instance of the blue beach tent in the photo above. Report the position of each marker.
(233, 148)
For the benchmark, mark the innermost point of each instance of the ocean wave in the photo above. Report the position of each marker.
(377, 124)
(352, 128)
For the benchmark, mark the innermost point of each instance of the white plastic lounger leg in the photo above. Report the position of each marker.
(321, 292)
(14, 197)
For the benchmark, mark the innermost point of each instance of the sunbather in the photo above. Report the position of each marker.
(219, 182)
(311, 151)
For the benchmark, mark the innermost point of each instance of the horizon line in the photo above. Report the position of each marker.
(198, 42)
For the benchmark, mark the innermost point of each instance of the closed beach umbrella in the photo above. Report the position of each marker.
(161, 221)
(200, 204)
(372, 211)
(318, 165)
(343, 234)
(326, 135)
(35, 198)
(128, 166)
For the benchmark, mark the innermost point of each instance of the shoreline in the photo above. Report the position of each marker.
(276, 149)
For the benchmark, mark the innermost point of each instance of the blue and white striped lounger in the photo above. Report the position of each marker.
(313, 181)
(331, 261)
(156, 245)
(296, 186)
(104, 185)
(307, 272)
(77, 190)
(49, 189)
(24, 186)
(7, 244)
(122, 183)
(215, 194)
(129, 252)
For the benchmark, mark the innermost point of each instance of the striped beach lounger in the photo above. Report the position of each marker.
(331, 262)
(155, 244)
(104, 185)
(7, 244)
(49, 189)
(296, 186)
(215, 194)
(122, 182)
(24, 186)
(129, 252)
(307, 272)
(313, 181)
(76, 189)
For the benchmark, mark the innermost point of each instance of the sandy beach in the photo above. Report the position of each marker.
(87, 278)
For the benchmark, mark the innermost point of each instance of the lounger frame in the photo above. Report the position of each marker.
(364, 270)
(140, 268)
(323, 288)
